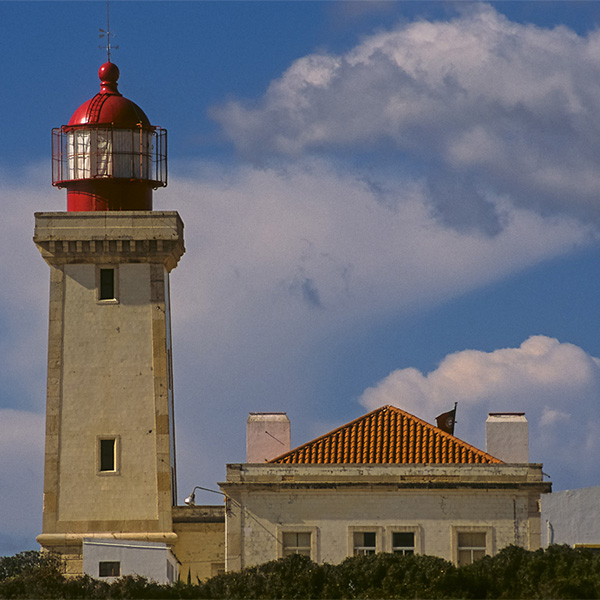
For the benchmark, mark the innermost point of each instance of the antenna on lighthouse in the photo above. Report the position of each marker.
(107, 33)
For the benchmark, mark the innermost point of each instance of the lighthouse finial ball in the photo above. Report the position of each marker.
(109, 75)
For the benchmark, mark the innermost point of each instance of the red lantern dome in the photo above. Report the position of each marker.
(109, 156)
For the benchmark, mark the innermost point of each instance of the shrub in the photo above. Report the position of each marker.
(10, 566)
(557, 572)
(295, 576)
(391, 576)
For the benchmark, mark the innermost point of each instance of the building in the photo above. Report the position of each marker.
(109, 469)
(110, 559)
(571, 517)
(386, 482)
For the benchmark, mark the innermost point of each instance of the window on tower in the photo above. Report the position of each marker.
(106, 288)
(107, 455)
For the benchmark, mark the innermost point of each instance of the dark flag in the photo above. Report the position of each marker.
(446, 420)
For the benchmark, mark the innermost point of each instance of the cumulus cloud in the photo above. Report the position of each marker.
(556, 384)
(481, 103)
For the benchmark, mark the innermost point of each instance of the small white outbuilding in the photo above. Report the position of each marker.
(108, 559)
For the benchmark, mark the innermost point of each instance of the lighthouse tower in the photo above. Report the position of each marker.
(109, 457)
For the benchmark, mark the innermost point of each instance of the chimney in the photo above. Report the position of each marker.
(267, 436)
(507, 437)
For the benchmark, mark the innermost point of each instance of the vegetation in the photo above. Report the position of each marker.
(557, 572)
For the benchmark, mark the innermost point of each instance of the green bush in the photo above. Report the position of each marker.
(391, 576)
(31, 574)
(10, 566)
(293, 577)
(557, 572)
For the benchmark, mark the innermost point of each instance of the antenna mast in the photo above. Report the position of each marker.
(108, 33)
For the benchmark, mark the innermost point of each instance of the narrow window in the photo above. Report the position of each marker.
(108, 453)
(471, 547)
(107, 284)
(109, 568)
(296, 543)
(403, 542)
(365, 542)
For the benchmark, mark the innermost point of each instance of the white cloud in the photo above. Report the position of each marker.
(23, 340)
(24, 293)
(511, 107)
(21, 466)
(552, 416)
(556, 384)
(312, 236)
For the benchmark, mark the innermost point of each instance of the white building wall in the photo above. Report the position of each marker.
(378, 498)
(571, 517)
(333, 517)
(150, 560)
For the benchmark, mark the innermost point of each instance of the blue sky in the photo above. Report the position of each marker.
(385, 202)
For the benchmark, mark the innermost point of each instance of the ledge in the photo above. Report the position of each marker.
(541, 486)
(110, 237)
(48, 540)
(198, 514)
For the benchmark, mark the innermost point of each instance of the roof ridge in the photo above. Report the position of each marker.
(434, 434)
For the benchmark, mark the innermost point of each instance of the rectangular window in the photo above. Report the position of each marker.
(365, 542)
(296, 543)
(106, 288)
(471, 546)
(109, 568)
(108, 454)
(403, 542)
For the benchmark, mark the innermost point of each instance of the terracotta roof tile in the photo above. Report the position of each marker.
(386, 435)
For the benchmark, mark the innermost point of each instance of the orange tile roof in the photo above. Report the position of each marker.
(386, 435)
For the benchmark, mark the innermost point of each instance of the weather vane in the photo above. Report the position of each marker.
(107, 33)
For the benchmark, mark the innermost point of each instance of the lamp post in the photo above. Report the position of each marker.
(191, 499)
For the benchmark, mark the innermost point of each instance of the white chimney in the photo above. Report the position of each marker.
(507, 437)
(267, 436)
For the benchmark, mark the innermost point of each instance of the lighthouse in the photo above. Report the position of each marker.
(109, 465)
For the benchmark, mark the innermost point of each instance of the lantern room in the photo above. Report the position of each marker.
(109, 156)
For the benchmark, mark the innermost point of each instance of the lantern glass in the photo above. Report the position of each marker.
(108, 152)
